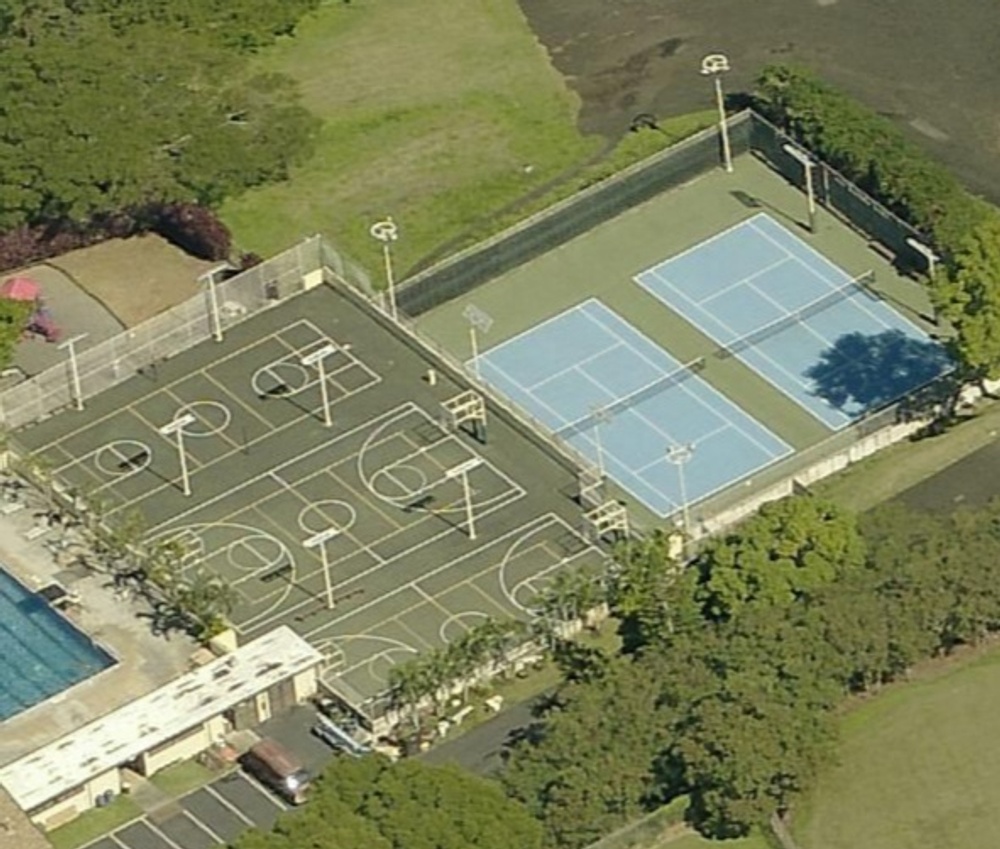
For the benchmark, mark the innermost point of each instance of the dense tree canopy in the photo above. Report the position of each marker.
(93, 121)
(374, 804)
(734, 666)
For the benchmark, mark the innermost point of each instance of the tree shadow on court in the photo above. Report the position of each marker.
(861, 373)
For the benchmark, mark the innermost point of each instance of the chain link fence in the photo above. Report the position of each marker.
(556, 225)
(115, 360)
(838, 194)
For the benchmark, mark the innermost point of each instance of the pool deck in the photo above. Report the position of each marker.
(145, 661)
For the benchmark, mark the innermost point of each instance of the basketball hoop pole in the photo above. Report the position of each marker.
(461, 471)
(715, 65)
(319, 541)
(318, 358)
(74, 370)
(176, 428)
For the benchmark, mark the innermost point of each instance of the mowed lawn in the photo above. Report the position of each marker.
(437, 112)
(696, 841)
(919, 767)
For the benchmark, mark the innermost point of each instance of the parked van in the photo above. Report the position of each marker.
(275, 767)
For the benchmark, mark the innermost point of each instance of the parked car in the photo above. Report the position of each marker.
(277, 768)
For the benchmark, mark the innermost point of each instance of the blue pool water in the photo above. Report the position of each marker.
(41, 654)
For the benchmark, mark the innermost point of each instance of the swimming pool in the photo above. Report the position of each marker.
(41, 653)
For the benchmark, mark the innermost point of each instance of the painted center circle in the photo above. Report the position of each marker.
(325, 515)
(211, 417)
(255, 552)
(399, 482)
(280, 379)
(123, 457)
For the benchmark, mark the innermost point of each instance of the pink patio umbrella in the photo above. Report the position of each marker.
(20, 289)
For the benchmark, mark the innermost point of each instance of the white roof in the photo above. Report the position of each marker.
(155, 718)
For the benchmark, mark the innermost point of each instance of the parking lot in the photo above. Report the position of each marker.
(217, 813)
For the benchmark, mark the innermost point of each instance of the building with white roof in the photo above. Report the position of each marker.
(177, 721)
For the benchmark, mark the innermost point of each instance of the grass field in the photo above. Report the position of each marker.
(431, 109)
(696, 841)
(919, 767)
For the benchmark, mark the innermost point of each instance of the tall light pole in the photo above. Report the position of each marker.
(319, 541)
(74, 368)
(317, 358)
(807, 162)
(210, 278)
(715, 65)
(461, 471)
(387, 232)
(478, 321)
(176, 428)
(679, 455)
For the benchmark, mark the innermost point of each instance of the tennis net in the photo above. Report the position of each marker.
(661, 384)
(862, 284)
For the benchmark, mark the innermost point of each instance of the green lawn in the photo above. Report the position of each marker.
(432, 110)
(696, 841)
(906, 464)
(94, 823)
(182, 778)
(919, 767)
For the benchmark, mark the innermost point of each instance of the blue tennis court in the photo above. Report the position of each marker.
(624, 402)
(785, 310)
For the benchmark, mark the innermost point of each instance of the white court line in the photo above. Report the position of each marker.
(519, 531)
(538, 401)
(386, 563)
(550, 519)
(260, 342)
(703, 328)
(748, 281)
(707, 387)
(223, 457)
(575, 367)
(846, 277)
(698, 245)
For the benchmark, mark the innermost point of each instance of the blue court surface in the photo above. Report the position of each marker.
(623, 401)
(798, 319)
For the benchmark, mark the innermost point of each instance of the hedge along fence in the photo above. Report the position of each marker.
(871, 152)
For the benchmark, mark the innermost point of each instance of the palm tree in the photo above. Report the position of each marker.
(409, 685)
(204, 598)
(470, 653)
(499, 637)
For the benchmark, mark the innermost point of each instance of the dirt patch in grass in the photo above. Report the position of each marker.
(918, 61)
(134, 278)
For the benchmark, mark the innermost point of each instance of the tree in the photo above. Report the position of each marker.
(97, 120)
(409, 684)
(589, 767)
(969, 298)
(204, 598)
(788, 550)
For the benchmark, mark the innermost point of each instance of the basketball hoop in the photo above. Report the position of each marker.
(715, 63)
(385, 231)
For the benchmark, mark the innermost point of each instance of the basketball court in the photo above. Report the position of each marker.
(330, 484)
